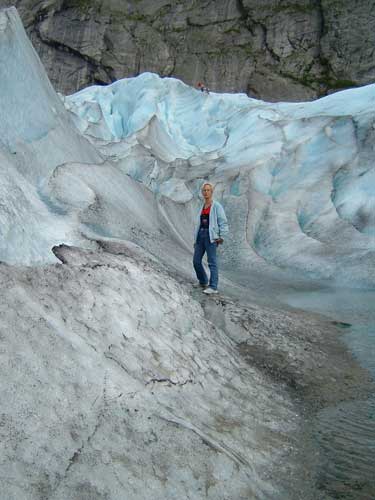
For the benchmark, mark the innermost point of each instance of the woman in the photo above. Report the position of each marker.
(211, 226)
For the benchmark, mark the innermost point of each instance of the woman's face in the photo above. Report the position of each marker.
(207, 192)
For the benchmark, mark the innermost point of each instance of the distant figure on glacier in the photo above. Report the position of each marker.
(211, 226)
(202, 88)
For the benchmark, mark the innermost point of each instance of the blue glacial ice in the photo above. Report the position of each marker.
(294, 177)
(36, 135)
(127, 160)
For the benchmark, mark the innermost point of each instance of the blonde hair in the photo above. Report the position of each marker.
(208, 184)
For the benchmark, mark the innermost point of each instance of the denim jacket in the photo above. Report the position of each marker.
(218, 226)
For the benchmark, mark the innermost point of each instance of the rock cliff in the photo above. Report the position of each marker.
(281, 50)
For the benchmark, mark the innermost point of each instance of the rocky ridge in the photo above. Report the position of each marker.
(284, 50)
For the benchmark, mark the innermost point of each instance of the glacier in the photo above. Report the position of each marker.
(295, 177)
(36, 135)
(118, 380)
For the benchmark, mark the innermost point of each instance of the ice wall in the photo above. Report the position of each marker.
(56, 186)
(36, 135)
(296, 178)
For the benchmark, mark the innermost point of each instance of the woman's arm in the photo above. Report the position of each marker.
(222, 221)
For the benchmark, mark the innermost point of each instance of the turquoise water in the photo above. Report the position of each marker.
(346, 433)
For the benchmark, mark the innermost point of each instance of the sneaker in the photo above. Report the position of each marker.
(210, 291)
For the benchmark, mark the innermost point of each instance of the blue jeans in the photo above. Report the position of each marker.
(203, 245)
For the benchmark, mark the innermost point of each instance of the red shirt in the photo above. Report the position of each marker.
(205, 217)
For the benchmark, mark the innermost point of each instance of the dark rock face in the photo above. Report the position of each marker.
(275, 49)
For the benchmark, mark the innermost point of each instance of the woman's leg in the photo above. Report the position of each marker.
(212, 263)
(199, 251)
